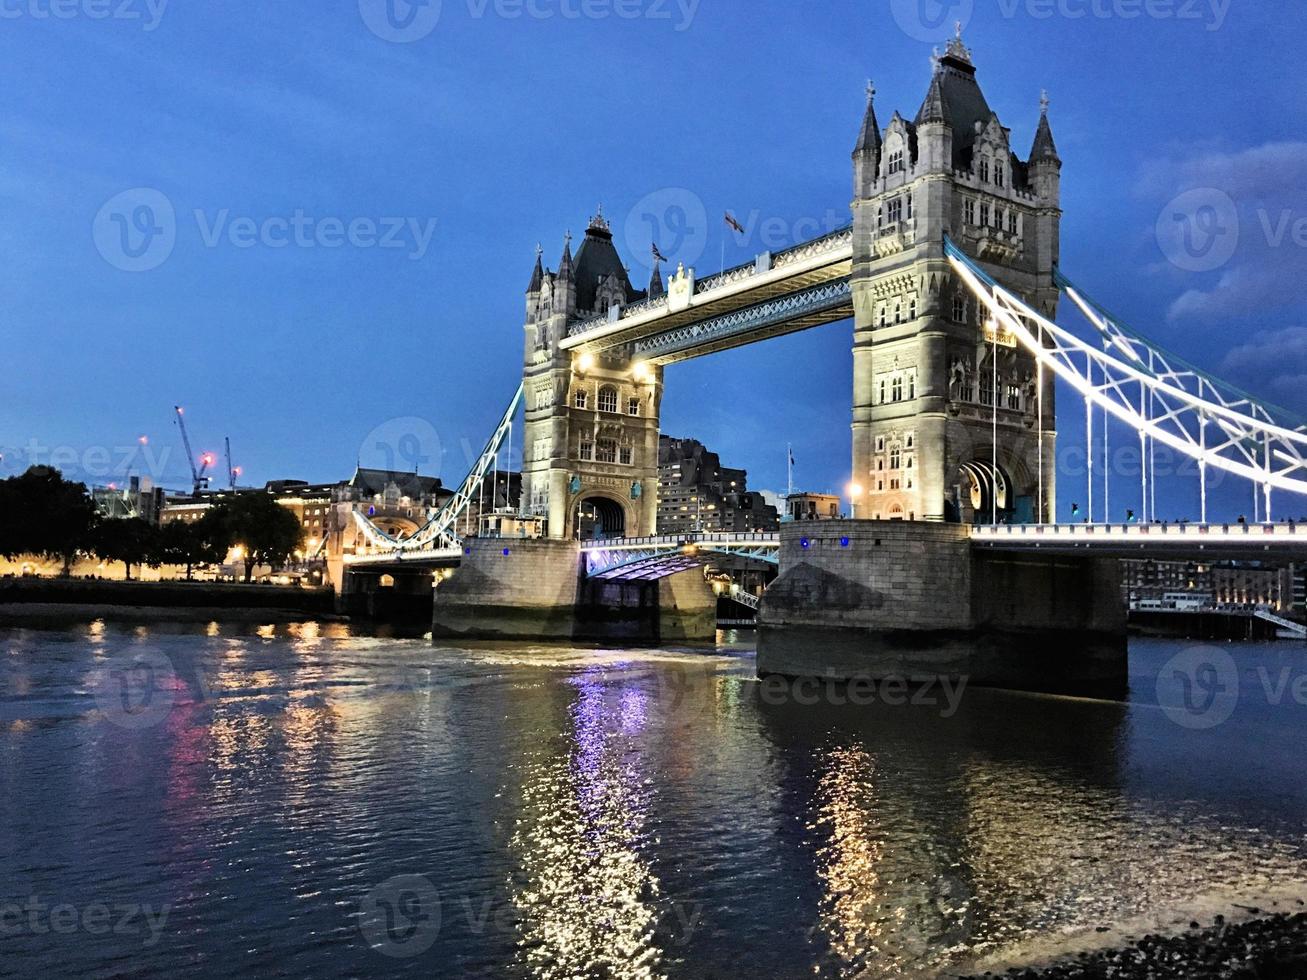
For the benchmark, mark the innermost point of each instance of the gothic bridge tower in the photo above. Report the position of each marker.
(927, 367)
(590, 450)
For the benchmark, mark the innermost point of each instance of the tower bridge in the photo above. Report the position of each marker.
(949, 271)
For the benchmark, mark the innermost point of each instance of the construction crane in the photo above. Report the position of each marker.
(232, 471)
(199, 477)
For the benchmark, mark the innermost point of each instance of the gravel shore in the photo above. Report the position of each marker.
(1268, 948)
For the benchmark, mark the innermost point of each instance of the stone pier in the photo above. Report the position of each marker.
(536, 590)
(893, 599)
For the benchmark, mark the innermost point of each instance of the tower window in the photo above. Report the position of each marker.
(897, 388)
(1000, 174)
(587, 451)
(959, 308)
(608, 399)
(894, 211)
(895, 457)
(909, 207)
(633, 406)
(581, 399)
(984, 215)
(969, 211)
(625, 455)
(896, 162)
(984, 171)
(606, 451)
(1012, 222)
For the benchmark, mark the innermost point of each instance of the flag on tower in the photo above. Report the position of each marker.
(659, 255)
(730, 220)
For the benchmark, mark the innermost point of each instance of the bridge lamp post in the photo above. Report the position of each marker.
(854, 491)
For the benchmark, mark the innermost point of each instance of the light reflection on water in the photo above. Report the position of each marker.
(638, 814)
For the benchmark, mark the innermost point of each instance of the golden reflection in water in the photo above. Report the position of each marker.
(268, 632)
(213, 629)
(848, 860)
(584, 895)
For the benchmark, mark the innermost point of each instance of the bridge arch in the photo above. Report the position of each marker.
(599, 516)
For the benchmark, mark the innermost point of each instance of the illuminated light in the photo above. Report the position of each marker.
(641, 371)
(805, 543)
(144, 440)
(507, 552)
(844, 542)
(855, 490)
(585, 362)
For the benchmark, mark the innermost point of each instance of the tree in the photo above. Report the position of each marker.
(202, 542)
(130, 540)
(43, 514)
(266, 532)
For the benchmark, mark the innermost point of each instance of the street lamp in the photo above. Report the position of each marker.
(854, 491)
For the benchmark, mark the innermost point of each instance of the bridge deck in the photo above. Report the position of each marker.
(1162, 541)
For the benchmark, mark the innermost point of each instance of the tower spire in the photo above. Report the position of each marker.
(1044, 148)
(869, 137)
(565, 263)
(538, 275)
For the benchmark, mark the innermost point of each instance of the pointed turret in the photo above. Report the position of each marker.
(935, 107)
(537, 276)
(565, 271)
(1044, 149)
(866, 155)
(656, 280)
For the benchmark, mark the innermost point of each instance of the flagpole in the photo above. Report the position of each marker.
(789, 470)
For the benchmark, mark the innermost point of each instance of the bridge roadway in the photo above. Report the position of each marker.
(801, 287)
(650, 558)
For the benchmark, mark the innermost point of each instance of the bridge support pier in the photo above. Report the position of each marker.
(892, 600)
(535, 589)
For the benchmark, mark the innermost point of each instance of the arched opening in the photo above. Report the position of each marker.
(598, 518)
(984, 493)
(387, 582)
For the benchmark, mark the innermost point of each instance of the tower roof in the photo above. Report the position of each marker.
(565, 263)
(869, 138)
(955, 98)
(1044, 148)
(597, 259)
(538, 275)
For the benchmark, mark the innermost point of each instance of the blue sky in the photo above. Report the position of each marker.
(505, 124)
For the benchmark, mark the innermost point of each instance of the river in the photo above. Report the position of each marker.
(303, 801)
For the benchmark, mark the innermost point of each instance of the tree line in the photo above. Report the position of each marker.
(42, 514)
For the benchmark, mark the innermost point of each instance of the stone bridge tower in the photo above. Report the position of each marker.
(590, 450)
(925, 375)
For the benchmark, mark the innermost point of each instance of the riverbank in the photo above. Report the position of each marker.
(1268, 945)
(37, 598)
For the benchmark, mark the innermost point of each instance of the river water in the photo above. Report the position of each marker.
(298, 801)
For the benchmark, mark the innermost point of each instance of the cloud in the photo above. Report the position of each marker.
(1272, 170)
(1242, 290)
(1272, 361)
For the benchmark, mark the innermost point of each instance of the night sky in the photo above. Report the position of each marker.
(409, 172)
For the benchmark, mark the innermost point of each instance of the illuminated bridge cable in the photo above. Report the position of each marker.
(441, 531)
(1164, 399)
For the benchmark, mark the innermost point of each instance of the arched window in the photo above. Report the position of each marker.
(984, 170)
(581, 399)
(633, 406)
(608, 399)
(895, 457)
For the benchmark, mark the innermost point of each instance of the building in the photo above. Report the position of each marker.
(1189, 586)
(140, 498)
(933, 381)
(812, 507)
(398, 502)
(696, 493)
